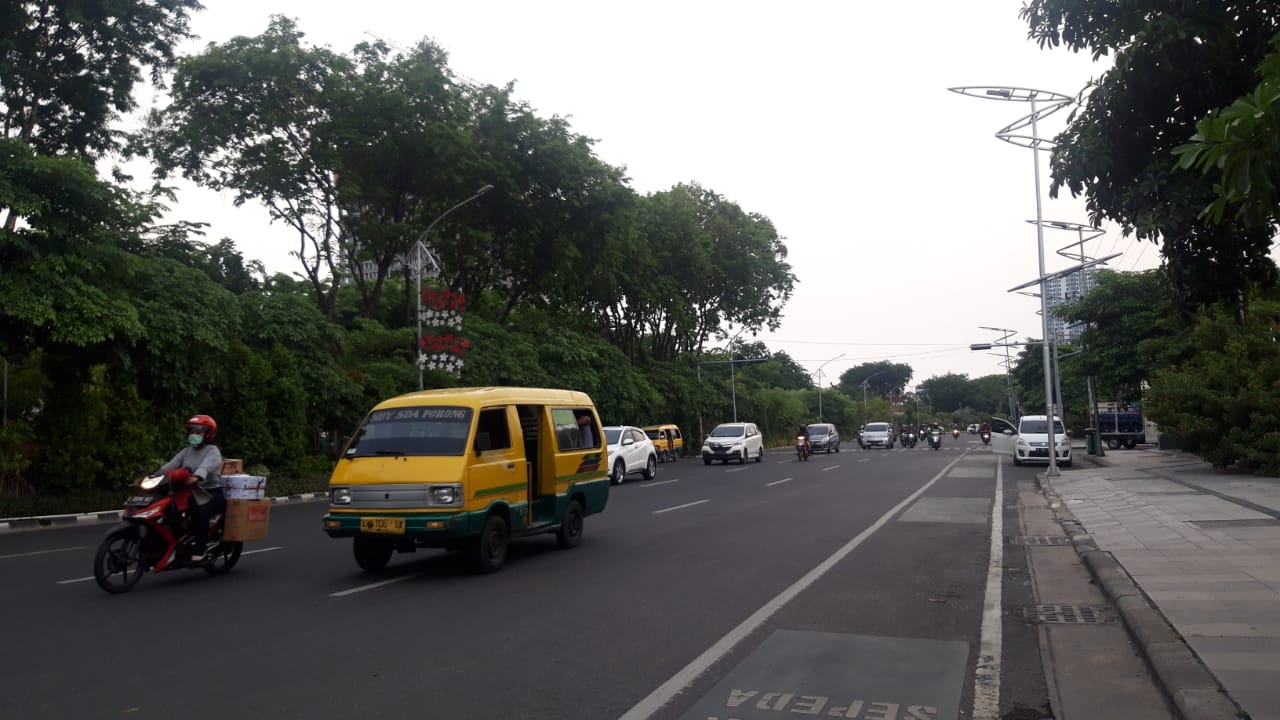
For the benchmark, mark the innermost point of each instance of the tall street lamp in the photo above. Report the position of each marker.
(1050, 102)
(420, 254)
(1008, 365)
(865, 384)
(820, 382)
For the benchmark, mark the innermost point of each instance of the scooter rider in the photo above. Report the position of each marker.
(200, 465)
(804, 432)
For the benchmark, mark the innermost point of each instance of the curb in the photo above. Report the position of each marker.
(52, 522)
(1186, 681)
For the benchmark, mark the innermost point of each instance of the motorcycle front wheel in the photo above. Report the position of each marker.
(118, 565)
(225, 557)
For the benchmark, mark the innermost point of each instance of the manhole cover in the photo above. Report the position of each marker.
(1040, 540)
(1062, 614)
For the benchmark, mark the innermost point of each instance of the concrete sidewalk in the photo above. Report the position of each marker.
(1203, 545)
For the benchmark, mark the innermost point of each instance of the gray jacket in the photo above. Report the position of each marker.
(205, 462)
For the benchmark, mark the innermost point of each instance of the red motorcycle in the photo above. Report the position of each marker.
(802, 448)
(986, 438)
(154, 536)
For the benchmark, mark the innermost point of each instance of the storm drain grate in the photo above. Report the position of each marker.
(1063, 614)
(1039, 540)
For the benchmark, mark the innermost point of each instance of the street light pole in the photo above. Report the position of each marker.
(419, 250)
(820, 383)
(1008, 365)
(865, 384)
(1044, 299)
(1054, 102)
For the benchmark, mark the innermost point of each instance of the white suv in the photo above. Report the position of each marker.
(1029, 442)
(630, 451)
(733, 441)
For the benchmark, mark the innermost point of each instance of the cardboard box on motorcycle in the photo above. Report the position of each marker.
(248, 509)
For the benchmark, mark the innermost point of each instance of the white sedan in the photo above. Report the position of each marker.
(630, 451)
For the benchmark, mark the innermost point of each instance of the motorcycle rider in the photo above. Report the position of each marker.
(200, 465)
(804, 432)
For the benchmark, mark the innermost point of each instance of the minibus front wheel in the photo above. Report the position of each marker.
(372, 554)
(489, 551)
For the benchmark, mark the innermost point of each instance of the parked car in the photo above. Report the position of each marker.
(823, 437)
(876, 434)
(973, 428)
(630, 451)
(733, 441)
(1029, 441)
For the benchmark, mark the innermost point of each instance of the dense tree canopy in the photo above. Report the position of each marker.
(1173, 64)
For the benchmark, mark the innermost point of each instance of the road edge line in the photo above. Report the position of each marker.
(986, 674)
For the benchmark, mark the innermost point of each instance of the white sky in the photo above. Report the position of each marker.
(831, 118)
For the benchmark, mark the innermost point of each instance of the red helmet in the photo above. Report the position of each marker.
(206, 421)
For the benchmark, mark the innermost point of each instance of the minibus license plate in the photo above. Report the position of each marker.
(382, 525)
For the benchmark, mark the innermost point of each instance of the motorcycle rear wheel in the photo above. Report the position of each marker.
(118, 566)
(226, 556)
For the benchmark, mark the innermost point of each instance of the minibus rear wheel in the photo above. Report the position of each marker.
(372, 555)
(570, 532)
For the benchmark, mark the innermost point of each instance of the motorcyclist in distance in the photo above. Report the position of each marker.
(199, 464)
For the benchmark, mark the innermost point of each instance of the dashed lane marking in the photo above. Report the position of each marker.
(43, 552)
(680, 507)
(777, 482)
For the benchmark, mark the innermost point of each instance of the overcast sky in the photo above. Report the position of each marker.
(832, 119)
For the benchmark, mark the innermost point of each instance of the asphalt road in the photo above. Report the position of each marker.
(678, 590)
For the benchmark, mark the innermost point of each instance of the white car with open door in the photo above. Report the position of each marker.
(1029, 441)
(630, 451)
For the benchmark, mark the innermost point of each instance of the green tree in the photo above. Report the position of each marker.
(701, 263)
(67, 69)
(885, 376)
(1174, 63)
(1128, 318)
(254, 116)
(1238, 145)
(1223, 403)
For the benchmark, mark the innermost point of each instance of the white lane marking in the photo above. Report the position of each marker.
(777, 482)
(779, 462)
(986, 677)
(680, 507)
(699, 665)
(832, 467)
(737, 469)
(250, 552)
(865, 460)
(246, 552)
(43, 552)
(378, 584)
(660, 482)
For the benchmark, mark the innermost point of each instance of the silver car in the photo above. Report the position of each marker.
(876, 434)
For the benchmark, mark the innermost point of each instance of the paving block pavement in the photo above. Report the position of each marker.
(1190, 555)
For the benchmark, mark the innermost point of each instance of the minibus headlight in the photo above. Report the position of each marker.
(340, 496)
(446, 494)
